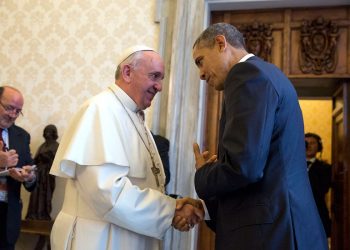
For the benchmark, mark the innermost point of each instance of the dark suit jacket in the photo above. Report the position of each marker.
(19, 140)
(320, 175)
(162, 144)
(258, 192)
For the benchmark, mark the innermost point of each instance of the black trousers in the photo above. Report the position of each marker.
(4, 245)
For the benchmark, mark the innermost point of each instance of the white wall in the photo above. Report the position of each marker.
(61, 52)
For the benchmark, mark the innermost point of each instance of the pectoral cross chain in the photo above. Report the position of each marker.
(155, 172)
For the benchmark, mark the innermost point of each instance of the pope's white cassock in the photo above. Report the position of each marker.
(112, 200)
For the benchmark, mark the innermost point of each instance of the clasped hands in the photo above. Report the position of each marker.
(188, 213)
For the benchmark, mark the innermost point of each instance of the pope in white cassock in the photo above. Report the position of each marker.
(114, 197)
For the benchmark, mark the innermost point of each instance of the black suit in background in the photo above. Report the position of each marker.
(162, 144)
(10, 213)
(320, 175)
(163, 149)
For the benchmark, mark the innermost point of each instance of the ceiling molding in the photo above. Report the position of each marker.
(217, 5)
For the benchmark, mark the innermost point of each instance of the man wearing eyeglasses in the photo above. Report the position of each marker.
(15, 166)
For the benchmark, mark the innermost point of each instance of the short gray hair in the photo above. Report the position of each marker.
(230, 32)
(132, 60)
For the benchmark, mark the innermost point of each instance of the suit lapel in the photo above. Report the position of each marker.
(13, 137)
(221, 130)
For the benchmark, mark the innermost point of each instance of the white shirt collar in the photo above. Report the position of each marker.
(312, 160)
(124, 98)
(246, 57)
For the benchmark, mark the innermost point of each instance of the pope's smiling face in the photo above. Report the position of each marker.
(146, 78)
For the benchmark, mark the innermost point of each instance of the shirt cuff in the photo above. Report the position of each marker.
(30, 183)
(206, 215)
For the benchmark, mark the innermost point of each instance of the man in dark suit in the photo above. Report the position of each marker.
(257, 191)
(320, 175)
(162, 144)
(16, 142)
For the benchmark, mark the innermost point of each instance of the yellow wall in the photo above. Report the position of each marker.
(318, 119)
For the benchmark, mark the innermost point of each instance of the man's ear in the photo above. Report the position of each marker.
(126, 72)
(220, 40)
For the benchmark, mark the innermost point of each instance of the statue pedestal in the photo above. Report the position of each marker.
(38, 227)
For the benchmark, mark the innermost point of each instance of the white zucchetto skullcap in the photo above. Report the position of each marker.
(131, 50)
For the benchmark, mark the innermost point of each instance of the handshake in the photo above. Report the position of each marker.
(188, 213)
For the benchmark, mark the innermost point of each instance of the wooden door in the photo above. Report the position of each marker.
(285, 38)
(341, 162)
(206, 237)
